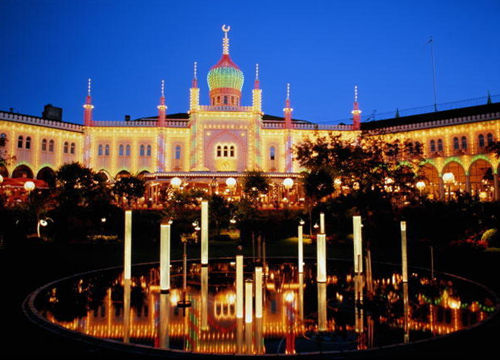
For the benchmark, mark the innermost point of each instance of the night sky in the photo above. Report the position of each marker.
(323, 48)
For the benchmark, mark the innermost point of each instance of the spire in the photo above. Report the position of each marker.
(194, 84)
(87, 112)
(162, 108)
(257, 82)
(288, 110)
(225, 40)
(356, 113)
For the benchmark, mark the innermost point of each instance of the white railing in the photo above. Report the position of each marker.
(281, 125)
(141, 123)
(33, 120)
(226, 108)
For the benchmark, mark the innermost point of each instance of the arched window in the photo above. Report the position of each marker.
(44, 144)
(219, 151)
(481, 140)
(20, 142)
(433, 146)
(464, 143)
(99, 151)
(141, 151)
(106, 150)
(120, 150)
(127, 150)
(490, 139)
(272, 153)
(72, 149)
(177, 152)
(51, 145)
(225, 151)
(3, 139)
(410, 148)
(231, 151)
(456, 144)
(225, 100)
(440, 144)
(148, 150)
(28, 142)
(65, 147)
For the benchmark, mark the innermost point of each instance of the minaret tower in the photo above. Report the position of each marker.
(87, 122)
(162, 116)
(162, 108)
(87, 113)
(356, 113)
(288, 126)
(194, 92)
(257, 92)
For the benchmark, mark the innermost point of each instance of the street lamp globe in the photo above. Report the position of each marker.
(288, 183)
(420, 185)
(448, 178)
(175, 182)
(1, 179)
(29, 186)
(231, 182)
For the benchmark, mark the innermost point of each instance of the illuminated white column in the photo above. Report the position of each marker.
(258, 292)
(126, 311)
(301, 250)
(404, 257)
(322, 223)
(358, 245)
(321, 258)
(164, 321)
(322, 318)
(164, 258)
(239, 286)
(204, 297)
(248, 301)
(127, 261)
(204, 232)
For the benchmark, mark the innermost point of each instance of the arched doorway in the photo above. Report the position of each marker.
(3, 171)
(104, 176)
(430, 175)
(459, 183)
(22, 171)
(123, 173)
(481, 179)
(48, 175)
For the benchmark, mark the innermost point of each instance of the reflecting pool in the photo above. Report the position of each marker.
(298, 315)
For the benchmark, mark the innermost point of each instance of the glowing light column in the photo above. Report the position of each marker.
(239, 286)
(164, 258)
(322, 317)
(404, 254)
(301, 249)
(204, 298)
(358, 245)
(322, 223)
(258, 292)
(127, 261)
(321, 258)
(204, 233)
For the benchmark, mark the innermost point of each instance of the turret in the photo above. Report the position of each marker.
(257, 92)
(356, 113)
(162, 108)
(87, 112)
(194, 92)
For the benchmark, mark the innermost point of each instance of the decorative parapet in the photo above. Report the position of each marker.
(139, 123)
(226, 108)
(33, 120)
(281, 125)
(440, 123)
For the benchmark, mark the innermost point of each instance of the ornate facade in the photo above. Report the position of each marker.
(211, 143)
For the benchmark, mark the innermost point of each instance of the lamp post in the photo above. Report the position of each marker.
(43, 223)
(420, 186)
(448, 179)
(288, 184)
(301, 246)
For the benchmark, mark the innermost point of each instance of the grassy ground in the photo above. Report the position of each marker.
(24, 268)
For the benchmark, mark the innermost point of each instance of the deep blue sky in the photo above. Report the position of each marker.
(323, 48)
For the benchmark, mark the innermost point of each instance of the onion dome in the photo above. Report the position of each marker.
(225, 79)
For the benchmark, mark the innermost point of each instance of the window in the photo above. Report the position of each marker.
(65, 147)
(464, 143)
(231, 151)
(225, 100)
(177, 152)
(3, 139)
(141, 150)
(490, 139)
(219, 151)
(72, 149)
(433, 146)
(44, 144)
(99, 151)
(440, 144)
(20, 142)
(410, 148)
(120, 150)
(127, 150)
(51, 145)
(148, 151)
(28, 142)
(106, 150)
(225, 151)
(456, 145)
(481, 140)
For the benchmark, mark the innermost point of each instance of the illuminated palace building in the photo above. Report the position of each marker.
(212, 143)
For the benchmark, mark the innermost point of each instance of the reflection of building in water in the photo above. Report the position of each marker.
(155, 320)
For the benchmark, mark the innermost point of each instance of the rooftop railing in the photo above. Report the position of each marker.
(34, 120)
(226, 108)
(305, 126)
(142, 123)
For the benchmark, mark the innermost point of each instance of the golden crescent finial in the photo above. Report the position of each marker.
(226, 28)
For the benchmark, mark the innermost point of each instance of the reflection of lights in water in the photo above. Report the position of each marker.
(289, 296)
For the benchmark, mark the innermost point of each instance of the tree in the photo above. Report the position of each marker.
(129, 187)
(254, 184)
